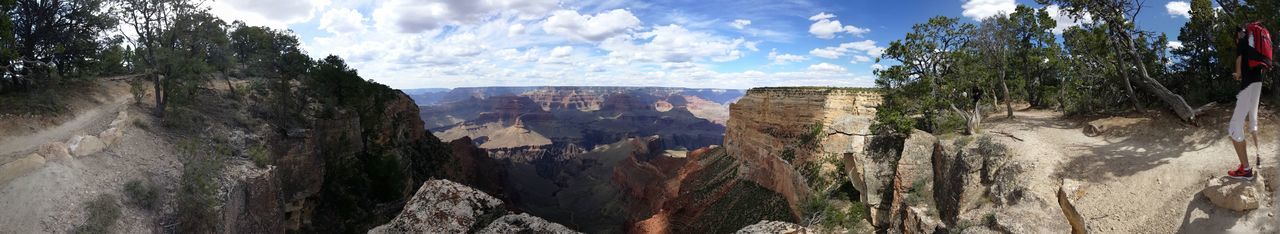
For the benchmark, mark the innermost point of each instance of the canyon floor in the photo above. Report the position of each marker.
(1143, 177)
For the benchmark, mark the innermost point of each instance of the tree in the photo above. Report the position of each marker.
(149, 20)
(1114, 16)
(929, 80)
(62, 35)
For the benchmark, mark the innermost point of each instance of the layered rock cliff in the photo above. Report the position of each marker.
(790, 137)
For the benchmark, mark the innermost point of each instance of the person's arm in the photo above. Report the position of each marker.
(1239, 63)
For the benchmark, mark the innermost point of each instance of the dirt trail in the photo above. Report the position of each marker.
(1142, 178)
(87, 121)
(51, 199)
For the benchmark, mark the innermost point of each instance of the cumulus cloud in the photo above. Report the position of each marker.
(276, 14)
(877, 67)
(827, 68)
(1064, 21)
(561, 51)
(515, 30)
(592, 28)
(826, 28)
(342, 20)
(785, 58)
(867, 47)
(413, 16)
(860, 59)
(1178, 8)
(673, 43)
(981, 9)
(740, 23)
(1175, 44)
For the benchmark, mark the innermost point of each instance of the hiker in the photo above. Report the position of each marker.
(1252, 59)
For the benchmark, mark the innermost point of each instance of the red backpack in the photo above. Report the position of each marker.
(1260, 39)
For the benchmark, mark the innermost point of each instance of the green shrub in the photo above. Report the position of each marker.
(198, 189)
(138, 88)
(103, 213)
(142, 194)
(260, 156)
(989, 220)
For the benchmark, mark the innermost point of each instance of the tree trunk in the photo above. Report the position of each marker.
(1150, 85)
(155, 79)
(1124, 75)
(1008, 103)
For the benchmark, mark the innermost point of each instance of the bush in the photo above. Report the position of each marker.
(138, 88)
(260, 156)
(141, 124)
(142, 194)
(198, 189)
(103, 213)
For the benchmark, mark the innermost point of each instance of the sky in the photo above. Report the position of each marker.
(671, 43)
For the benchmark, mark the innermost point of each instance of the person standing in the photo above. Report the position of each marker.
(1252, 60)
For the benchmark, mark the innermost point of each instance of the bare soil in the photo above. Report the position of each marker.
(1144, 177)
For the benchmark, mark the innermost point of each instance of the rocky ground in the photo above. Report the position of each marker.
(1144, 174)
(51, 197)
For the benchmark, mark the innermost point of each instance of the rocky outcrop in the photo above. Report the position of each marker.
(55, 151)
(779, 130)
(254, 204)
(473, 167)
(1235, 194)
(442, 206)
(523, 223)
(913, 179)
(765, 227)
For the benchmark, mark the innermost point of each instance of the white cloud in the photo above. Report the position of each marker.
(561, 51)
(740, 23)
(593, 28)
(276, 14)
(515, 30)
(1064, 21)
(877, 67)
(860, 59)
(342, 20)
(1178, 8)
(413, 16)
(785, 58)
(1175, 44)
(826, 28)
(981, 9)
(821, 16)
(827, 68)
(673, 43)
(867, 47)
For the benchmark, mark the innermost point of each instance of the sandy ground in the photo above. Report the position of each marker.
(1144, 178)
(51, 199)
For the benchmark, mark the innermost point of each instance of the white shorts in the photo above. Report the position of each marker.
(1246, 107)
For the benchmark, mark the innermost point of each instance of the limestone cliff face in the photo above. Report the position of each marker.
(784, 135)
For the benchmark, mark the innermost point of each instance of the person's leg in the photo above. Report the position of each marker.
(1245, 101)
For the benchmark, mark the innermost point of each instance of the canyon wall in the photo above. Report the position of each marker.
(789, 137)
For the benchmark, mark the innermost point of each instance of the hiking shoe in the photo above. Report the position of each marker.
(1241, 173)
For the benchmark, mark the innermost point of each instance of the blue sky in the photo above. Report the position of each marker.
(682, 43)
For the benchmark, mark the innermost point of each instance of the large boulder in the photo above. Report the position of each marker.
(86, 145)
(55, 151)
(766, 226)
(523, 223)
(20, 167)
(111, 135)
(442, 206)
(1235, 194)
(918, 221)
(913, 179)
